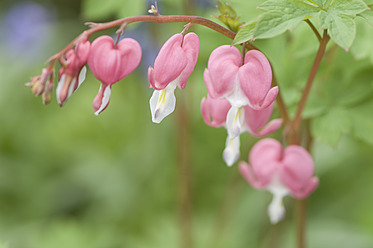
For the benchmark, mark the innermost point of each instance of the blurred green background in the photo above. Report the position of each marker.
(71, 179)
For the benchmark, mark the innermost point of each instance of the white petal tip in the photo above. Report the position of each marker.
(231, 153)
(162, 104)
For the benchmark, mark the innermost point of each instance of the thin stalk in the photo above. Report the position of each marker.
(301, 212)
(318, 36)
(293, 136)
(96, 27)
(320, 53)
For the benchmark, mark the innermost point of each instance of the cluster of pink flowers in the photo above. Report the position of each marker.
(240, 98)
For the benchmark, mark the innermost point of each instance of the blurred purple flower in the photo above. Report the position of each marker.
(26, 28)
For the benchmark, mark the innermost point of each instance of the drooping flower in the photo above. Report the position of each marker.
(241, 82)
(283, 172)
(72, 74)
(111, 63)
(172, 67)
(214, 112)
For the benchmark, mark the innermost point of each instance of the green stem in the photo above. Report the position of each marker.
(318, 36)
(301, 212)
(96, 27)
(294, 130)
(294, 136)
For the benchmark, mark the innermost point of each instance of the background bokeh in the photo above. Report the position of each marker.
(71, 179)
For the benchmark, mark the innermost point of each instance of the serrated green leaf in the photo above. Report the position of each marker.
(350, 7)
(279, 16)
(368, 15)
(275, 23)
(341, 28)
(245, 33)
(330, 127)
(287, 6)
(322, 3)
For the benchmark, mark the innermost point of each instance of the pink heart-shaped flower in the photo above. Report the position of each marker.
(175, 61)
(110, 63)
(293, 167)
(245, 82)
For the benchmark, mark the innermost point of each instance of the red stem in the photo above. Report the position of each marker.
(295, 125)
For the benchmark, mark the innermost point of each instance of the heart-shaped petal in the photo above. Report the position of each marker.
(222, 70)
(191, 49)
(169, 64)
(257, 119)
(265, 159)
(255, 79)
(298, 168)
(111, 64)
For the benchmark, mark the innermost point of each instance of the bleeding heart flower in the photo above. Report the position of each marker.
(172, 67)
(72, 75)
(214, 112)
(241, 82)
(110, 64)
(282, 172)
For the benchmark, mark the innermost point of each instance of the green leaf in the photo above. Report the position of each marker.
(341, 28)
(368, 15)
(275, 23)
(350, 7)
(330, 127)
(279, 16)
(325, 3)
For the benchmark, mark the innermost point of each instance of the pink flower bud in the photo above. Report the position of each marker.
(72, 75)
(242, 84)
(282, 172)
(172, 67)
(110, 64)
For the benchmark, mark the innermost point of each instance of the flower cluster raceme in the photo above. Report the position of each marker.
(281, 171)
(240, 96)
(111, 62)
(172, 67)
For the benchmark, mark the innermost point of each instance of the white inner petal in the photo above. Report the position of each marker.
(82, 75)
(232, 150)
(276, 210)
(235, 121)
(105, 99)
(237, 97)
(59, 88)
(162, 102)
(71, 88)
